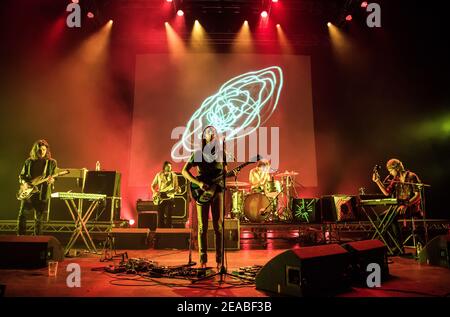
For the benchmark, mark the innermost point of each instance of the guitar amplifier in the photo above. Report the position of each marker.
(232, 235)
(74, 181)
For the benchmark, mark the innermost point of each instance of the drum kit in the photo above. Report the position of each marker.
(269, 203)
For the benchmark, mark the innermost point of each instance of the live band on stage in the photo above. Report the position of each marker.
(265, 196)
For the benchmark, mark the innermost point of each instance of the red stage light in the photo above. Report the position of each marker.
(264, 14)
(168, 0)
(275, 1)
(131, 222)
(329, 24)
(180, 13)
(90, 15)
(278, 25)
(348, 18)
(364, 4)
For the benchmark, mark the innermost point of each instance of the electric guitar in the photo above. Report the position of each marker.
(159, 197)
(26, 190)
(204, 196)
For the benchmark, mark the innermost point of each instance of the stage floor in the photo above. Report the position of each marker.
(408, 278)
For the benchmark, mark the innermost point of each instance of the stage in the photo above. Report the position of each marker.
(408, 279)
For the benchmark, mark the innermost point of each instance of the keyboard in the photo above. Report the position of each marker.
(71, 195)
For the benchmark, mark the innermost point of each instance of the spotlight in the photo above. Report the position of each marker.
(245, 22)
(110, 21)
(278, 25)
(180, 13)
(168, 0)
(264, 14)
(275, 1)
(131, 222)
(90, 15)
(329, 24)
(348, 18)
(364, 4)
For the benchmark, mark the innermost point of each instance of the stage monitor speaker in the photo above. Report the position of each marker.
(363, 253)
(29, 252)
(338, 208)
(166, 238)
(306, 210)
(130, 238)
(232, 235)
(436, 251)
(307, 271)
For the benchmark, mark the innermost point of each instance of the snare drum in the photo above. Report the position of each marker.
(255, 205)
(272, 188)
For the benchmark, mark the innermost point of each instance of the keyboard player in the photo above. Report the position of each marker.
(399, 184)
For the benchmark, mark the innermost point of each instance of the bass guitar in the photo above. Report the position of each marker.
(201, 196)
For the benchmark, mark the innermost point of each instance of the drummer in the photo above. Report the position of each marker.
(259, 176)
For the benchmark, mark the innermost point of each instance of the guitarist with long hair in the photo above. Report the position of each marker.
(164, 187)
(39, 164)
(208, 161)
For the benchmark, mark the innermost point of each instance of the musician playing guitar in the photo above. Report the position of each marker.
(39, 164)
(164, 187)
(210, 168)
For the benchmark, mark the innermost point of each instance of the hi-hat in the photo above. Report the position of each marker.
(292, 173)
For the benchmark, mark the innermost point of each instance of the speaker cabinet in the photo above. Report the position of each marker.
(105, 183)
(130, 238)
(232, 235)
(172, 238)
(436, 252)
(338, 208)
(148, 219)
(306, 210)
(29, 252)
(74, 181)
(307, 271)
(363, 253)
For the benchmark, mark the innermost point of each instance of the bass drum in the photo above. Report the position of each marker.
(254, 205)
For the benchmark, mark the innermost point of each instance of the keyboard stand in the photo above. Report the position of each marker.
(80, 221)
(382, 227)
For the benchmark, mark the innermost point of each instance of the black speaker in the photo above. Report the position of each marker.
(338, 208)
(363, 253)
(436, 251)
(130, 238)
(148, 219)
(105, 183)
(74, 181)
(28, 252)
(231, 234)
(317, 270)
(305, 210)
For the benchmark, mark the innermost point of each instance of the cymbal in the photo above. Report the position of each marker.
(237, 184)
(286, 173)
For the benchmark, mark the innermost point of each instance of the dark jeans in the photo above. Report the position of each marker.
(203, 215)
(35, 205)
(165, 213)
